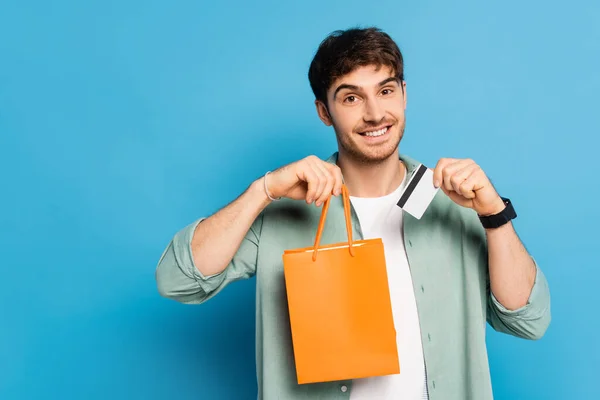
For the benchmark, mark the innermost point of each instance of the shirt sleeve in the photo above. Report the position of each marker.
(529, 321)
(179, 279)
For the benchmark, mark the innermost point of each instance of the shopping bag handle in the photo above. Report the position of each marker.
(346, 202)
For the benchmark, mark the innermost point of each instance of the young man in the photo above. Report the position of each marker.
(461, 265)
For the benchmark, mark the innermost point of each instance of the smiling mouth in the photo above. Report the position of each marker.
(375, 133)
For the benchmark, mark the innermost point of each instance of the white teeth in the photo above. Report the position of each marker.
(376, 133)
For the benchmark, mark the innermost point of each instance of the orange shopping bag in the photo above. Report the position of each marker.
(340, 309)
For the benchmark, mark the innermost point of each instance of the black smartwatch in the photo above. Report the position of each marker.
(497, 220)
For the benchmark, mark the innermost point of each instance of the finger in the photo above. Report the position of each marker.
(439, 169)
(460, 181)
(473, 183)
(449, 170)
(324, 195)
(457, 173)
(322, 181)
(338, 179)
(460, 200)
(309, 176)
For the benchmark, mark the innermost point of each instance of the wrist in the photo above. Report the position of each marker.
(499, 218)
(267, 188)
(497, 208)
(257, 193)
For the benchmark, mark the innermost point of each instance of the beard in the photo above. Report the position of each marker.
(370, 154)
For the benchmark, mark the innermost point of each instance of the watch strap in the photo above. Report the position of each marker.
(497, 220)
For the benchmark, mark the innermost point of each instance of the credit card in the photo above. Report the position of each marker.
(419, 192)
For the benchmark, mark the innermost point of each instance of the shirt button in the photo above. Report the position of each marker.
(344, 388)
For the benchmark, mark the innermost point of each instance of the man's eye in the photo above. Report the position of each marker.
(350, 99)
(387, 91)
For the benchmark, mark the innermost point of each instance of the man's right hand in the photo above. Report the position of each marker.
(311, 179)
(217, 238)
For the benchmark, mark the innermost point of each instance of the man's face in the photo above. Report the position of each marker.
(366, 109)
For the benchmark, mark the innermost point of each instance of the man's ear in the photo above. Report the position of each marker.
(323, 112)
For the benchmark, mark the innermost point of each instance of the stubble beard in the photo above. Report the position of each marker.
(383, 153)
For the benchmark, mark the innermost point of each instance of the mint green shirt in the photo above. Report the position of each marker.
(448, 259)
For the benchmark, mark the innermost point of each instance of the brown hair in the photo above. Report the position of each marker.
(345, 50)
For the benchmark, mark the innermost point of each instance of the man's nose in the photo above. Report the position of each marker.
(374, 111)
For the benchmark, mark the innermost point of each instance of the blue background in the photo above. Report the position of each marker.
(121, 122)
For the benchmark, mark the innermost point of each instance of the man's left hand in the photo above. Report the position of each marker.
(467, 185)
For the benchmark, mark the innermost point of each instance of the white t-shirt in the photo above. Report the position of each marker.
(381, 218)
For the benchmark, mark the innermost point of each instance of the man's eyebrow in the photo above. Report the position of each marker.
(345, 86)
(388, 80)
(358, 88)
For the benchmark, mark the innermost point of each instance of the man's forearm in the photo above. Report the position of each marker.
(512, 270)
(217, 238)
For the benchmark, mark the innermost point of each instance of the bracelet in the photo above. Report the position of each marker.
(267, 190)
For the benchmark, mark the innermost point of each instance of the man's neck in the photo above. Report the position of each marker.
(371, 180)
